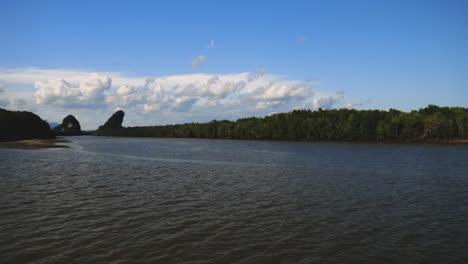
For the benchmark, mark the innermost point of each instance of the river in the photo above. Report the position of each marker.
(149, 200)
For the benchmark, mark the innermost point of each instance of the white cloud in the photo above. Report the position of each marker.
(283, 90)
(266, 104)
(90, 92)
(30, 75)
(125, 90)
(17, 103)
(198, 60)
(326, 102)
(181, 92)
(125, 96)
(212, 44)
(13, 103)
(329, 101)
(159, 100)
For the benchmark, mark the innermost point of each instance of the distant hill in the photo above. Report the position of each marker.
(17, 125)
(52, 125)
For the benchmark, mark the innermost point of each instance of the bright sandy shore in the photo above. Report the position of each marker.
(34, 144)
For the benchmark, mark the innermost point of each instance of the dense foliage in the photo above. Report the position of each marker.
(16, 125)
(432, 122)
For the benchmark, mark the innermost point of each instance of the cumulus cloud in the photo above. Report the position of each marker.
(282, 90)
(125, 90)
(212, 44)
(17, 103)
(334, 101)
(182, 93)
(124, 96)
(267, 104)
(13, 103)
(198, 60)
(89, 93)
(325, 102)
(251, 91)
(328, 101)
(165, 99)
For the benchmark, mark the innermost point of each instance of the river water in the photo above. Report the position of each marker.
(147, 200)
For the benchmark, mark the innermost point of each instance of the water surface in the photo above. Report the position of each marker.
(142, 200)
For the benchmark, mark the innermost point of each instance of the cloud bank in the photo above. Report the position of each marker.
(10, 101)
(90, 92)
(182, 93)
(165, 99)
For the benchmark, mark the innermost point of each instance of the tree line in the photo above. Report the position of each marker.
(430, 123)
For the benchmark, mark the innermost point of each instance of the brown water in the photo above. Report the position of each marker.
(132, 200)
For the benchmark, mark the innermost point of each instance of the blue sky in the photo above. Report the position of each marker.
(361, 54)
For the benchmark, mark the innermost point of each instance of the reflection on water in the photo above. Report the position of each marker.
(131, 200)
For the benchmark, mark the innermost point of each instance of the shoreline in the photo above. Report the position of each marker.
(54, 143)
(457, 141)
(34, 144)
(387, 141)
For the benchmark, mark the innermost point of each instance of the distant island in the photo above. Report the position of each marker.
(114, 122)
(69, 127)
(432, 123)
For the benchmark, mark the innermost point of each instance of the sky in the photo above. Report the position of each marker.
(166, 62)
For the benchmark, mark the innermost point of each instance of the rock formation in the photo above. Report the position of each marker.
(69, 127)
(115, 121)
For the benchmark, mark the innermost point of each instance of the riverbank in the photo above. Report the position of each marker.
(34, 144)
(457, 141)
(376, 141)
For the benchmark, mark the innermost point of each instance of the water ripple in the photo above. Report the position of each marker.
(152, 201)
